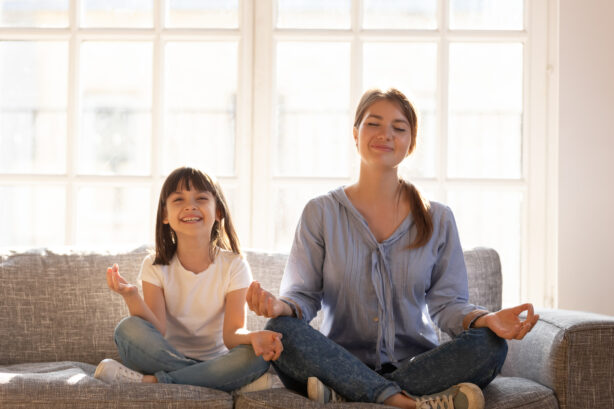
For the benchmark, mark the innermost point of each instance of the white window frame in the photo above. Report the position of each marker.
(254, 181)
(537, 279)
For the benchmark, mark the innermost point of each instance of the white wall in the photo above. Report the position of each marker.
(586, 156)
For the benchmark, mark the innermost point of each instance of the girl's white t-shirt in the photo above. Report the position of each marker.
(195, 302)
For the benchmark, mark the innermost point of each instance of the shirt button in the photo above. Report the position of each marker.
(375, 319)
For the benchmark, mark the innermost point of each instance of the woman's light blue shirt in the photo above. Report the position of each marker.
(376, 298)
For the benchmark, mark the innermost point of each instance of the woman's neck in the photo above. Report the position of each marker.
(376, 185)
(193, 253)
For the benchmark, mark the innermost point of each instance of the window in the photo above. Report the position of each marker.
(99, 100)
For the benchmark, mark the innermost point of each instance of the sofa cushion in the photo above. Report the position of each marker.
(502, 393)
(72, 385)
(57, 307)
(515, 393)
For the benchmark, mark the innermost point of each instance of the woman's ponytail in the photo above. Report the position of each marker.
(420, 209)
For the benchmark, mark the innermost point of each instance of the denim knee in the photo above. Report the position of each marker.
(130, 328)
(496, 346)
(282, 325)
(495, 352)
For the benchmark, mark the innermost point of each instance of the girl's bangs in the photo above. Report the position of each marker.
(188, 178)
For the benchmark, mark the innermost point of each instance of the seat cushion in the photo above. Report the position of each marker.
(72, 385)
(511, 393)
(502, 393)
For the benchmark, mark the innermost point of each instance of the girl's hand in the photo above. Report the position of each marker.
(506, 323)
(118, 283)
(267, 344)
(264, 303)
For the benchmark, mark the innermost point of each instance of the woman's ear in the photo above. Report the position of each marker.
(355, 132)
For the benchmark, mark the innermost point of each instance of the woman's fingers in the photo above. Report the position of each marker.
(253, 297)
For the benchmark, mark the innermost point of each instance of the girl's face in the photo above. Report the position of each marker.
(383, 136)
(191, 212)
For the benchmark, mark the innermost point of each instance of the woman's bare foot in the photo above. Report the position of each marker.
(150, 379)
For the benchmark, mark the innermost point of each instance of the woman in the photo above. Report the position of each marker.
(379, 260)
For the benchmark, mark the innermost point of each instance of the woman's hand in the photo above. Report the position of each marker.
(264, 303)
(506, 323)
(118, 283)
(267, 344)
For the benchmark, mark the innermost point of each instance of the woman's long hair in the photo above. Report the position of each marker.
(420, 207)
(223, 234)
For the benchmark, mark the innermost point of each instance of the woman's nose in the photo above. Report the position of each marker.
(386, 133)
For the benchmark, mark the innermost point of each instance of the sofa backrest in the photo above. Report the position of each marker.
(55, 304)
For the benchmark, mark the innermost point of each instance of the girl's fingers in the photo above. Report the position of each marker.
(109, 277)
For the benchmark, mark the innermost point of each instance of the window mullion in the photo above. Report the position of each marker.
(72, 126)
(443, 100)
(263, 210)
(157, 111)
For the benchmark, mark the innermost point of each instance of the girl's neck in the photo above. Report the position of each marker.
(193, 254)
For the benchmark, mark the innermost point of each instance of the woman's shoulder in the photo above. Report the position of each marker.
(326, 201)
(441, 213)
(438, 208)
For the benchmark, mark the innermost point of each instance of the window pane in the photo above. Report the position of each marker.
(313, 135)
(34, 13)
(331, 14)
(486, 14)
(492, 218)
(33, 89)
(32, 215)
(485, 124)
(114, 215)
(116, 87)
(117, 13)
(286, 208)
(203, 13)
(404, 15)
(394, 65)
(200, 90)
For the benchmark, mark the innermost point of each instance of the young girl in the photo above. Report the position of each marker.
(188, 328)
(381, 262)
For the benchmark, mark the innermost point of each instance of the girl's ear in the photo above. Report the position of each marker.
(218, 215)
(164, 216)
(355, 132)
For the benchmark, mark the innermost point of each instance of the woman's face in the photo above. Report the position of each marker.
(383, 136)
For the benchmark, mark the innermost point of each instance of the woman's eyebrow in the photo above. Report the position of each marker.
(403, 120)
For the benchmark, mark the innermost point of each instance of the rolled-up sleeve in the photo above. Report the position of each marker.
(447, 297)
(302, 279)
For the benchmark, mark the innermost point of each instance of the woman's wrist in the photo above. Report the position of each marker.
(482, 321)
(470, 320)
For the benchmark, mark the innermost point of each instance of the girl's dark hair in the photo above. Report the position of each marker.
(420, 207)
(223, 234)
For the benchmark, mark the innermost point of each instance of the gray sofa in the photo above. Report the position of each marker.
(57, 318)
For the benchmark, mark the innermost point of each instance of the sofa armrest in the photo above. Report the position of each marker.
(570, 352)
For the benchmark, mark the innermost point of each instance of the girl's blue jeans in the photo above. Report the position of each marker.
(474, 356)
(143, 348)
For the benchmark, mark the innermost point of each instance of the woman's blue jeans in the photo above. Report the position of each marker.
(143, 348)
(474, 356)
